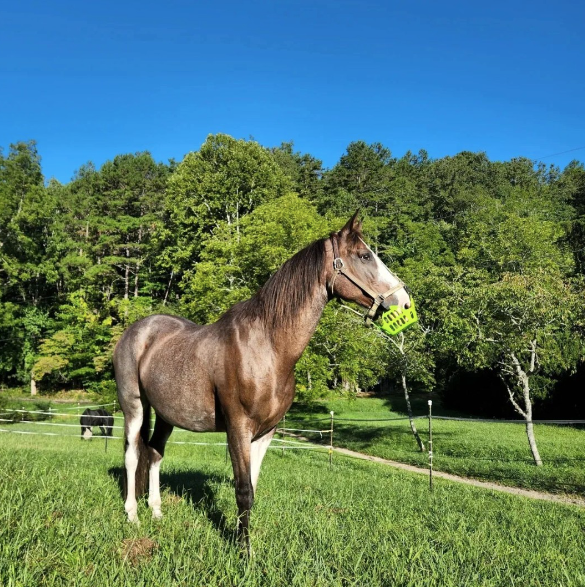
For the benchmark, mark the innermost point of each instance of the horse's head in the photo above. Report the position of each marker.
(358, 275)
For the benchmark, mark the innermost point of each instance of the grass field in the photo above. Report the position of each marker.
(489, 451)
(62, 522)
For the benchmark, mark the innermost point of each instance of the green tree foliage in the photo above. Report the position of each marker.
(234, 268)
(303, 170)
(79, 340)
(212, 189)
(492, 251)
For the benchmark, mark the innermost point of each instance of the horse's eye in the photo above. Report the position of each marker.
(365, 256)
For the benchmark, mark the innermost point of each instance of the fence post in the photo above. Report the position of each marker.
(331, 441)
(430, 445)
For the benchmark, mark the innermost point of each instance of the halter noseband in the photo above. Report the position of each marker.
(377, 299)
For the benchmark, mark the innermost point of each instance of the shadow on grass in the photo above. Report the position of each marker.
(301, 409)
(196, 488)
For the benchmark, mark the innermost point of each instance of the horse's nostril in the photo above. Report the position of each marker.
(407, 306)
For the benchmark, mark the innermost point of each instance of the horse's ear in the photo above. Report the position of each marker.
(352, 225)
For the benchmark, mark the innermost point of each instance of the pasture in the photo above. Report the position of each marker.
(62, 523)
(489, 451)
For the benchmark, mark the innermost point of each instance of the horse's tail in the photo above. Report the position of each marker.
(141, 479)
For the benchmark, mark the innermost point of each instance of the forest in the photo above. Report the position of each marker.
(493, 253)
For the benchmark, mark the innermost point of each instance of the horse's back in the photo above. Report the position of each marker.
(143, 334)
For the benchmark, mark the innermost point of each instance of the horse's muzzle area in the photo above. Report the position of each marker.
(393, 300)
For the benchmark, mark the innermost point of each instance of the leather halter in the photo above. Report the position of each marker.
(377, 299)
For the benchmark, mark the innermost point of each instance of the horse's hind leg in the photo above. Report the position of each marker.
(136, 427)
(156, 451)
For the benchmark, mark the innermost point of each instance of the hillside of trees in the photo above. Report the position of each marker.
(493, 253)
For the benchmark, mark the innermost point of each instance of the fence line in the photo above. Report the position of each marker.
(284, 444)
(44, 423)
(49, 413)
(302, 430)
(290, 443)
(293, 446)
(79, 406)
(56, 434)
(501, 421)
(356, 420)
(402, 418)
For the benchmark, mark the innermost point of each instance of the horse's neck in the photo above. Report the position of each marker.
(291, 339)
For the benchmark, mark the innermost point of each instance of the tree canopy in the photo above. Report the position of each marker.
(493, 252)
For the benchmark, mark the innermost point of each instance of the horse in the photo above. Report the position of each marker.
(236, 375)
(99, 417)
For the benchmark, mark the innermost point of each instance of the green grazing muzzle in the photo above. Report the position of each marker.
(395, 320)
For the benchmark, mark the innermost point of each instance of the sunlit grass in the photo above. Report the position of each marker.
(492, 451)
(62, 522)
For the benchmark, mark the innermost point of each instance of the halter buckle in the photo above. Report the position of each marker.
(338, 264)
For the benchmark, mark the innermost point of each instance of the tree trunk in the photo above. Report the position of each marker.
(33, 385)
(138, 263)
(127, 277)
(168, 288)
(523, 382)
(136, 279)
(420, 443)
(532, 443)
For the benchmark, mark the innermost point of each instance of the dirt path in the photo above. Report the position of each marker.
(574, 500)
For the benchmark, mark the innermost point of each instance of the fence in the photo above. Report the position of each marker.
(288, 437)
(20, 416)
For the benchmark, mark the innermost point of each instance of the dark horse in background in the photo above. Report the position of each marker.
(237, 375)
(99, 417)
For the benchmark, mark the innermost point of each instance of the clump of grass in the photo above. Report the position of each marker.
(137, 550)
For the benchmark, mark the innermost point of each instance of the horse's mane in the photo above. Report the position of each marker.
(287, 290)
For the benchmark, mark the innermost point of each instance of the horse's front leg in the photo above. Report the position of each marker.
(156, 451)
(257, 453)
(239, 442)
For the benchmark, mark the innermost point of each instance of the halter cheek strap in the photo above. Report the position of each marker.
(377, 299)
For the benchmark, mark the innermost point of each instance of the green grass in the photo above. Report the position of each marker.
(488, 451)
(62, 522)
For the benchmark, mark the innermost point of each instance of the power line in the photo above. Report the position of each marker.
(560, 153)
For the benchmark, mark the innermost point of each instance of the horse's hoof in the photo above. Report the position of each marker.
(133, 518)
(157, 515)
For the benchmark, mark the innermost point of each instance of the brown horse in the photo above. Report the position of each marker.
(237, 375)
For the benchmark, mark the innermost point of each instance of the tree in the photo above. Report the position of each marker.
(232, 269)
(410, 360)
(359, 180)
(524, 326)
(304, 170)
(213, 188)
(80, 336)
(112, 216)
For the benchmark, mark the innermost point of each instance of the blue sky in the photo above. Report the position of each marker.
(90, 80)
